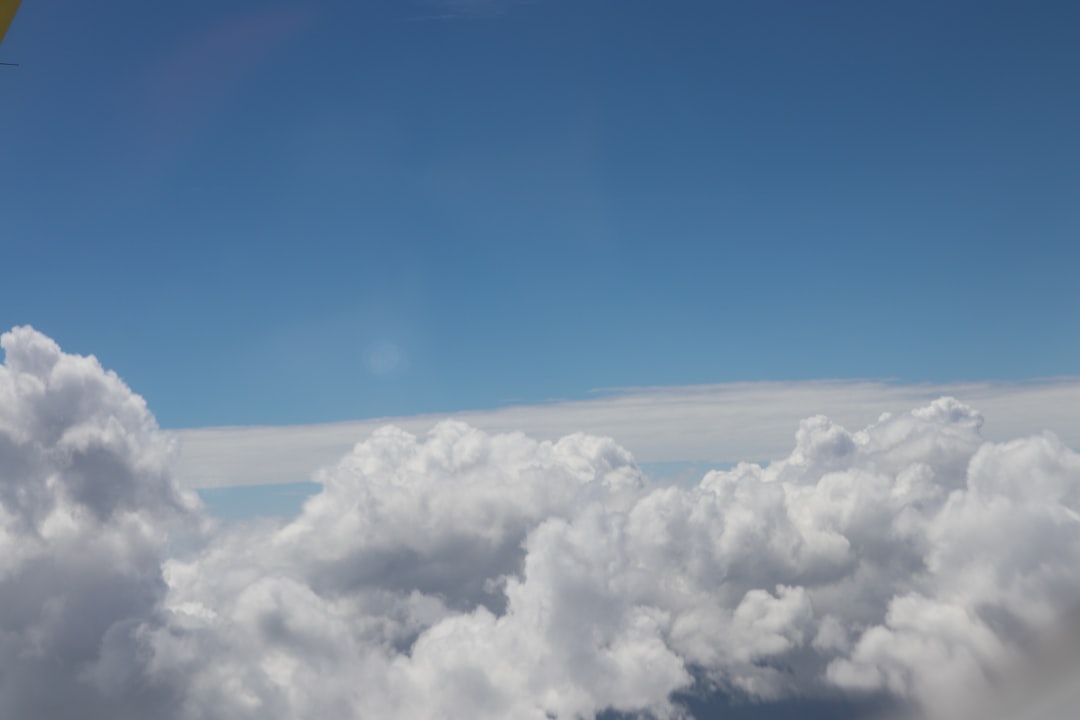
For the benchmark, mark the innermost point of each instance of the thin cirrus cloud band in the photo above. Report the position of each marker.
(721, 424)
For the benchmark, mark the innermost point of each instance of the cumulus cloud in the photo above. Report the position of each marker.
(465, 574)
(86, 505)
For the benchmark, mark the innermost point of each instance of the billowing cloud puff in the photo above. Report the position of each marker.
(461, 574)
(86, 504)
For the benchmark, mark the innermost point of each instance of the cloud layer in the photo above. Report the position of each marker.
(86, 506)
(464, 574)
(716, 423)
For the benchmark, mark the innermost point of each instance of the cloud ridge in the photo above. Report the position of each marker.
(467, 574)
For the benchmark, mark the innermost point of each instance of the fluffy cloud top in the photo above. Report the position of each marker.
(462, 574)
(86, 505)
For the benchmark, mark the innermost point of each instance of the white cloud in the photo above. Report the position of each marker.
(715, 423)
(86, 502)
(466, 574)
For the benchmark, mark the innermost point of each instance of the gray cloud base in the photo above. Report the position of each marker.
(465, 574)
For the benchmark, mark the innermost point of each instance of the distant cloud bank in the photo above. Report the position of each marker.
(723, 424)
(468, 573)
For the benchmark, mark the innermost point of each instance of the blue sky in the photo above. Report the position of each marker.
(262, 212)
(837, 240)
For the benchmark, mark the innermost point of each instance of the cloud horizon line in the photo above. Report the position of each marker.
(721, 423)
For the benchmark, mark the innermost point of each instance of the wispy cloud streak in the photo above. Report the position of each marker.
(715, 423)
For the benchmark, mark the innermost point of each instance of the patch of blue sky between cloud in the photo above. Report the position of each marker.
(247, 502)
